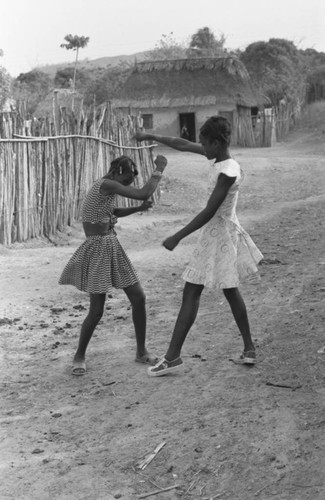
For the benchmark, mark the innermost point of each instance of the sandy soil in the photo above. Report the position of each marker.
(230, 432)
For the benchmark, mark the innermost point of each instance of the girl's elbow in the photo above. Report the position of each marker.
(144, 194)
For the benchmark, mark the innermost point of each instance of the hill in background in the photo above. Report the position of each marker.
(102, 62)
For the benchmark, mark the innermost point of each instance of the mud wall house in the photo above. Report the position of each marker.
(168, 95)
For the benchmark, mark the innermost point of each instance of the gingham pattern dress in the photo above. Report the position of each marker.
(225, 253)
(100, 263)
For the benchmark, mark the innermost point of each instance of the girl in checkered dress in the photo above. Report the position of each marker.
(100, 263)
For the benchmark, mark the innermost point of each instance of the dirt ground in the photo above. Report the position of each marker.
(230, 432)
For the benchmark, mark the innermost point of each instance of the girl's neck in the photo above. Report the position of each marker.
(222, 156)
(222, 152)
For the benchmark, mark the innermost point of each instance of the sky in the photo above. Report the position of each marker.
(31, 31)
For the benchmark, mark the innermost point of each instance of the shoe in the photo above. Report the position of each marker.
(248, 357)
(147, 359)
(164, 367)
(79, 368)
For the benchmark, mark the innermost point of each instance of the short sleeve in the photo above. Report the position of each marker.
(230, 168)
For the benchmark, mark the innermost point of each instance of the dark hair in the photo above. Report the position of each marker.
(217, 127)
(123, 164)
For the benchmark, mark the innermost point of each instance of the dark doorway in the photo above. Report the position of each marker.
(187, 126)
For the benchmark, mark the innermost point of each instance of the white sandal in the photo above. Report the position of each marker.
(248, 357)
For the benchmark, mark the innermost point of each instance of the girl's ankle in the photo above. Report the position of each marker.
(172, 358)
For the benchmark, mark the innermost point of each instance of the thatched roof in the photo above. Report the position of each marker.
(188, 82)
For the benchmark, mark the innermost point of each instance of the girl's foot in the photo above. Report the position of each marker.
(164, 367)
(79, 367)
(248, 357)
(147, 359)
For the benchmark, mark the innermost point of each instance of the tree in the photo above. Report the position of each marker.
(316, 84)
(64, 77)
(32, 87)
(5, 81)
(314, 68)
(204, 44)
(105, 84)
(75, 42)
(167, 48)
(276, 69)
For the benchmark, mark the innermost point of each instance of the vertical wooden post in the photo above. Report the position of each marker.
(56, 113)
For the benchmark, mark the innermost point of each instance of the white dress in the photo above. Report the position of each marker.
(224, 253)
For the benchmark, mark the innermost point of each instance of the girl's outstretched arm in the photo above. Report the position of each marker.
(124, 212)
(110, 186)
(172, 142)
(218, 195)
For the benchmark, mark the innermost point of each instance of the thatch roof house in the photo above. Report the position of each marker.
(171, 94)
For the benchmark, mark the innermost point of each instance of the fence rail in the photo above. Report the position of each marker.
(44, 178)
(48, 164)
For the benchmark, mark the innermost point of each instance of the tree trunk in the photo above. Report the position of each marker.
(74, 79)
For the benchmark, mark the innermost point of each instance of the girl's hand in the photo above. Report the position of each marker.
(141, 136)
(171, 242)
(161, 163)
(146, 205)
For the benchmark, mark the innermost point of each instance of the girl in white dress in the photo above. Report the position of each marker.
(224, 253)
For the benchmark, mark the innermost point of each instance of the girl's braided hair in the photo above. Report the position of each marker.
(217, 128)
(123, 164)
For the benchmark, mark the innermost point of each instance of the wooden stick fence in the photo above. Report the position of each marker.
(44, 178)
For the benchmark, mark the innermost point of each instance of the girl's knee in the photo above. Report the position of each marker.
(96, 314)
(192, 292)
(137, 297)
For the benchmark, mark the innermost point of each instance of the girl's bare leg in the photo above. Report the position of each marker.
(137, 298)
(186, 317)
(239, 312)
(97, 301)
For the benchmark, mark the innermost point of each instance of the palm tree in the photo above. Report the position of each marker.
(75, 42)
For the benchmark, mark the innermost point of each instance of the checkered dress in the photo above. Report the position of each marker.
(100, 263)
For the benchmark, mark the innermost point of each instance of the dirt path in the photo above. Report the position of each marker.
(229, 432)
